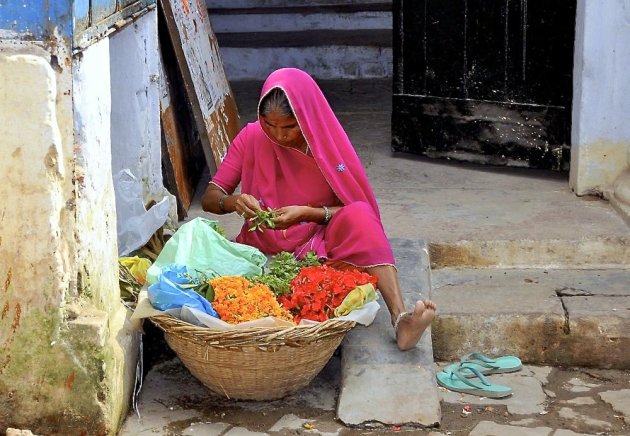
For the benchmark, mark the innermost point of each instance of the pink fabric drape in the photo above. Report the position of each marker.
(281, 176)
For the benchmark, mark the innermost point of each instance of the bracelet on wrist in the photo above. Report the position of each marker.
(221, 203)
(327, 215)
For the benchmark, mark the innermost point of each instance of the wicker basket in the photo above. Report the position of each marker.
(254, 364)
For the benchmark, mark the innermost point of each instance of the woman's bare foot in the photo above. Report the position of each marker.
(411, 326)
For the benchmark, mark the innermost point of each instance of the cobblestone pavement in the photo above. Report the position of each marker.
(546, 401)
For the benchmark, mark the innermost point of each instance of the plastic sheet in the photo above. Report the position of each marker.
(135, 224)
(198, 246)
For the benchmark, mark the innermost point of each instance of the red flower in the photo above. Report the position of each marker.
(318, 290)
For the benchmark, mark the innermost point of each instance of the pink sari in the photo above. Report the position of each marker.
(281, 176)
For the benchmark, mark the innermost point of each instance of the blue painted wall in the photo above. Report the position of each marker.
(35, 19)
(78, 21)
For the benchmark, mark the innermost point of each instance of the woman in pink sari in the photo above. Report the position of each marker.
(298, 160)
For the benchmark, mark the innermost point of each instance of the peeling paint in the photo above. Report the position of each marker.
(5, 310)
(7, 281)
(16, 318)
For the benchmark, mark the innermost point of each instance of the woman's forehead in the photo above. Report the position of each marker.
(275, 117)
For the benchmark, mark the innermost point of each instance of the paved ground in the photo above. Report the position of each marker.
(546, 401)
(472, 217)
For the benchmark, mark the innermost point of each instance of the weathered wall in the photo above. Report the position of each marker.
(67, 357)
(601, 101)
(43, 375)
(100, 316)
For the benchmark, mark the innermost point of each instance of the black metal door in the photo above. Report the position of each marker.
(484, 80)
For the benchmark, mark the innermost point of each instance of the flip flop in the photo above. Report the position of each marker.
(458, 382)
(486, 365)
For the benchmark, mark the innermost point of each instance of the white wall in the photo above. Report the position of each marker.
(96, 226)
(135, 114)
(601, 102)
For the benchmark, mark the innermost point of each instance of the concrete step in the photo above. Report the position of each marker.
(295, 19)
(377, 38)
(330, 40)
(476, 216)
(545, 316)
(321, 62)
(379, 383)
(587, 252)
(231, 4)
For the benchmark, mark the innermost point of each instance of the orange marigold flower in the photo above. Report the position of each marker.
(237, 300)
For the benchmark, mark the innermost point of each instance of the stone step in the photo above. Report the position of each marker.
(237, 4)
(379, 383)
(321, 62)
(370, 38)
(304, 9)
(587, 253)
(330, 40)
(545, 316)
(295, 19)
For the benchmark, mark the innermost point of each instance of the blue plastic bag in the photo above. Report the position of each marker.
(168, 292)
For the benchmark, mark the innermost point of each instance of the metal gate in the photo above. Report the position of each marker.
(488, 81)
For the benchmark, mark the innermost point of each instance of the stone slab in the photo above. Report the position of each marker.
(619, 400)
(581, 420)
(582, 401)
(392, 394)
(294, 424)
(201, 428)
(371, 362)
(488, 428)
(241, 431)
(528, 396)
(564, 432)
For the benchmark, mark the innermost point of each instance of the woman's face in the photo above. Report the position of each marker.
(284, 129)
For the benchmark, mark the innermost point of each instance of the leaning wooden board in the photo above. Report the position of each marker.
(174, 163)
(208, 90)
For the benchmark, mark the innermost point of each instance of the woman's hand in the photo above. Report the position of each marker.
(246, 206)
(291, 215)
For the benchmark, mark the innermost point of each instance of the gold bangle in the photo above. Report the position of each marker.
(221, 200)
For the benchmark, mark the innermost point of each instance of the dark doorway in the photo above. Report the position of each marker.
(487, 81)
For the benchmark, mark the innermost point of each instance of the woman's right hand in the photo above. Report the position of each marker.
(246, 206)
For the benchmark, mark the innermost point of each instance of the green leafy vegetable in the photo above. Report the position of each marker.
(217, 228)
(282, 269)
(263, 219)
(201, 285)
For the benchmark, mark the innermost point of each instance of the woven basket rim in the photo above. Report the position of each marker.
(255, 336)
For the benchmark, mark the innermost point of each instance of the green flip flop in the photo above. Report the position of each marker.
(486, 365)
(459, 382)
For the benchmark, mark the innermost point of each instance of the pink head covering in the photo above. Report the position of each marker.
(327, 140)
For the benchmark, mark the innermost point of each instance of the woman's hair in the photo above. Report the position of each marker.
(276, 101)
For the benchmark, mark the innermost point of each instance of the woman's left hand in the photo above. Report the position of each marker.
(290, 215)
